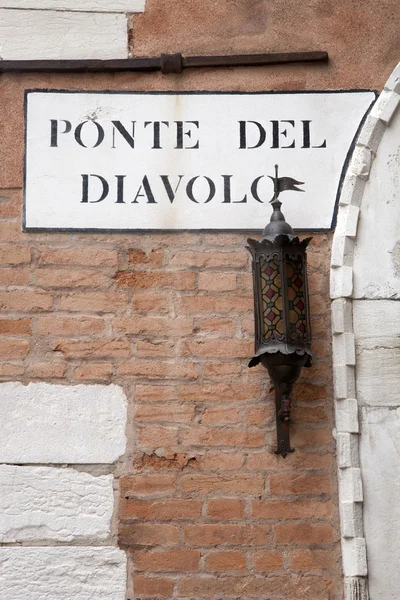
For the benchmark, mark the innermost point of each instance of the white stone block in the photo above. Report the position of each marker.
(348, 220)
(360, 164)
(62, 573)
(341, 282)
(372, 133)
(127, 6)
(44, 423)
(41, 34)
(393, 83)
(386, 106)
(353, 189)
(380, 462)
(378, 374)
(351, 519)
(374, 319)
(38, 504)
(354, 557)
(350, 488)
(347, 415)
(344, 381)
(356, 588)
(344, 349)
(342, 316)
(347, 450)
(342, 250)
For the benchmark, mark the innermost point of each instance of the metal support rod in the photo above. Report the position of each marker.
(282, 407)
(167, 63)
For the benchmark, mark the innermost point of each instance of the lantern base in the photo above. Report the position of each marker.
(284, 370)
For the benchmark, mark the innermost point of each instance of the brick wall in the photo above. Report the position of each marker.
(206, 509)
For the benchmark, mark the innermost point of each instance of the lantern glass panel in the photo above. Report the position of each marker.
(296, 298)
(271, 299)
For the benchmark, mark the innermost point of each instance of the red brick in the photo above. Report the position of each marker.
(150, 302)
(223, 304)
(102, 348)
(159, 325)
(10, 231)
(151, 348)
(304, 534)
(224, 509)
(210, 259)
(93, 301)
(14, 255)
(95, 372)
(146, 534)
(306, 414)
(304, 559)
(147, 484)
(309, 392)
(9, 206)
(155, 393)
(157, 370)
(86, 256)
(137, 256)
(57, 325)
(8, 370)
(141, 280)
(146, 587)
(11, 348)
(66, 278)
(263, 461)
(220, 392)
(171, 560)
(289, 587)
(267, 560)
(225, 561)
(299, 484)
(154, 437)
(214, 324)
(220, 370)
(223, 461)
(217, 282)
(307, 509)
(26, 301)
(46, 370)
(15, 277)
(228, 535)
(131, 508)
(173, 413)
(260, 415)
(203, 436)
(217, 348)
(239, 483)
(312, 438)
(15, 327)
(224, 414)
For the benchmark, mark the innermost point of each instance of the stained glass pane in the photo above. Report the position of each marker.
(296, 299)
(272, 316)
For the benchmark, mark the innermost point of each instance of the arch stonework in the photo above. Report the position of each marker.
(363, 255)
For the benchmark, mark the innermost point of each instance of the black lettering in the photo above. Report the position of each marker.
(125, 134)
(54, 131)
(307, 137)
(168, 188)
(254, 189)
(276, 132)
(120, 189)
(189, 189)
(243, 134)
(227, 191)
(147, 192)
(180, 133)
(78, 134)
(156, 132)
(85, 188)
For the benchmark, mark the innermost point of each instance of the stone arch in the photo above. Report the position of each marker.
(365, 269)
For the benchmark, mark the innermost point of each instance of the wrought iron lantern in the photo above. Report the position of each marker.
(281, 307)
